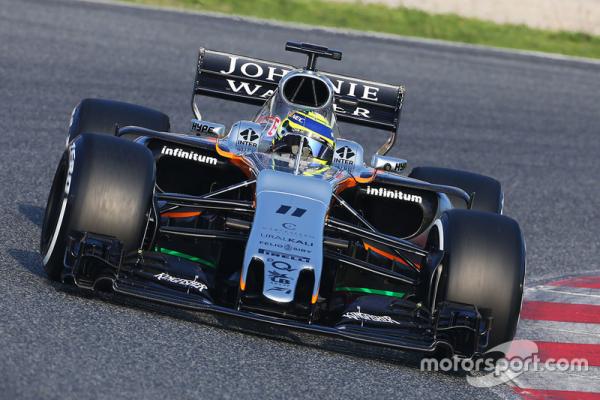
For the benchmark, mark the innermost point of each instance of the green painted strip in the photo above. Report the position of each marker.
(370, 291)
(186, 256)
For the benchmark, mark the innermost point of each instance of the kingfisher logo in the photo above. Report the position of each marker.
(188, 155)
(393, 194)
(361, 316)
(199, 286)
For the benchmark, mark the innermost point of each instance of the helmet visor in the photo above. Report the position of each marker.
(311, 147)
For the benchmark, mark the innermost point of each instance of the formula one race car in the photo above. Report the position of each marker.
(279, 221)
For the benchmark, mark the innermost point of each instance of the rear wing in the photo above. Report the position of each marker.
(253, 81)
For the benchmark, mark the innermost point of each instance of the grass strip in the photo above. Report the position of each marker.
(401, 21)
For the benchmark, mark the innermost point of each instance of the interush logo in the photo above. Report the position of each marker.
(393, 194)
(345, 155)
(248, 138)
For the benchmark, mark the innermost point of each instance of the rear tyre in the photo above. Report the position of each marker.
(484, 265)
(101, 116)
(488, 191)
(103, 185)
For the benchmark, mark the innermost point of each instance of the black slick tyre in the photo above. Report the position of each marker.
(104, 185)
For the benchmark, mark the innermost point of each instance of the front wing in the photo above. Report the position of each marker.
(92, 259)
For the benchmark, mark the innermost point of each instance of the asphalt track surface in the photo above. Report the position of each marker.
(533, 123)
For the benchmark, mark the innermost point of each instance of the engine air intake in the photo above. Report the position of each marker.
(306, 91)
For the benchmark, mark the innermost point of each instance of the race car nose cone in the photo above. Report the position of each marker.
(287, 232)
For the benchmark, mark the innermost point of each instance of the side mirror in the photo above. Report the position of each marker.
(206, 128)
(385, 163)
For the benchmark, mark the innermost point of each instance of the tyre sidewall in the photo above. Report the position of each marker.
(56, 216)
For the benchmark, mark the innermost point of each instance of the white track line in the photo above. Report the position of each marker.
(563, 294)
(564, 332)
(580, 381)
(355, 33)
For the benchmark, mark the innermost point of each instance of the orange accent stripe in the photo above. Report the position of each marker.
(388, 255)
(236, 160)
(353, 181)
(181, 214)
(345, 184)
(224, 153)
(365, 180)
(315, 298)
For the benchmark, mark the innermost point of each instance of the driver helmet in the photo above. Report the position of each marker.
(309, 131)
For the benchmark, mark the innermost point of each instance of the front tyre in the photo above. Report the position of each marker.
(488, 191)
(484, 265)
(103, 185)
(102, 116)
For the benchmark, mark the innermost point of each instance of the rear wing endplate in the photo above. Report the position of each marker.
(253, 81)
